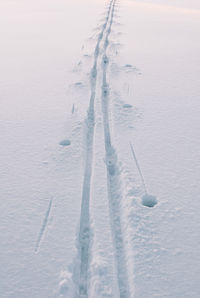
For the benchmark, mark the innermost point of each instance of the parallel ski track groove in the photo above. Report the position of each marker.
(113, 178)
(84, 230)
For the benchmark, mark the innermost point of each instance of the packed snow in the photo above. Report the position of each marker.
(99, 155)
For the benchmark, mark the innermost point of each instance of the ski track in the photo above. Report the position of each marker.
(85, 230)
(113, 174)
(44, 225)
(113, 177)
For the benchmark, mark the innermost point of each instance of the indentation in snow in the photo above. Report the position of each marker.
(149, 200)
(130, 68)
(126, 106)
(65, 142)
(125, 115)
(128, 65)
(78, 84)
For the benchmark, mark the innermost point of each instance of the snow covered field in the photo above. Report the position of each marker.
(99, 105)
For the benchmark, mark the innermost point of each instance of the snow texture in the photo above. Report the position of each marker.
(99, 133)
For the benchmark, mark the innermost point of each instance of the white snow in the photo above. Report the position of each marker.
(99, 120)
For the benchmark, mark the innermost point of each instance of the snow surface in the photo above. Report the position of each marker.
(99, 119)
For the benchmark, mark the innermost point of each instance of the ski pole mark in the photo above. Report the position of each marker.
(138, 167)
(113, 178)
(84, 230)
(44, 225)
(147, 199)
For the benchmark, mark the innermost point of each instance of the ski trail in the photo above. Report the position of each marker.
(44, 225)
(113, 178)
(84, 230)
(138, 167)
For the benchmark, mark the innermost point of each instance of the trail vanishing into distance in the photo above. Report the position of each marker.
(85, 233)
(99, 155)
(114, 195)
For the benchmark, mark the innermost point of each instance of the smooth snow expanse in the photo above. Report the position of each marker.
(99, 156)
